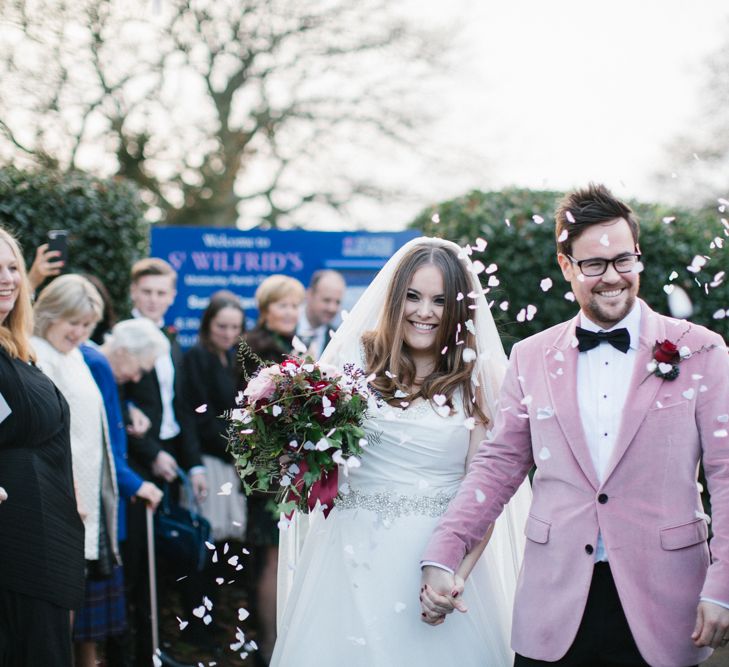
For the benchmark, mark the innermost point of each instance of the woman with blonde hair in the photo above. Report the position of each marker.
(278, 299)
(41, 533)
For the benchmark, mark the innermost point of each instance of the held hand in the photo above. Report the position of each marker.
(165, 466)
(199, 486)
(44, 265)
(140, 423)
(150, 493)
(3, 495)
(712, 625)
(440, 595)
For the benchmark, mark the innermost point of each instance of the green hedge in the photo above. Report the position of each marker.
(107, 230)
(525, 254)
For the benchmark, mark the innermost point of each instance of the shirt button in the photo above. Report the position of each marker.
(589, 549)
(602, 498)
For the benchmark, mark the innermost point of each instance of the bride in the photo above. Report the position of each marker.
(424, 332)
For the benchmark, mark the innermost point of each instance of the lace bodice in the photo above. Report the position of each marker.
(415, 451)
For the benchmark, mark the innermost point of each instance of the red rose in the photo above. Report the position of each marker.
(318, 386)
(290, 365)
(665, 352)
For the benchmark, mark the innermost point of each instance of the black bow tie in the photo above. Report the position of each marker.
(618, 338)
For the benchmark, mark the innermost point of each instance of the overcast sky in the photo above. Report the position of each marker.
(555, 93)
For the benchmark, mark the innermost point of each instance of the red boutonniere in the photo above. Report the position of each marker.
(668, 355)
(666, 358)
(171, 332)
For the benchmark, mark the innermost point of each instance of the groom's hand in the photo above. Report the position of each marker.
(712, 625)
(440, 593)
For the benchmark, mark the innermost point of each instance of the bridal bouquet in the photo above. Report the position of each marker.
(296, 423)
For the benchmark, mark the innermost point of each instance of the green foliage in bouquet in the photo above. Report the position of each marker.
(297, 422)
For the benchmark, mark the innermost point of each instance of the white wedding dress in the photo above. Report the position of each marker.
(354, 600)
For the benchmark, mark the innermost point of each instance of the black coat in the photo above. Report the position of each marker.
(267, 345)
(209, 382)
(41, 533)
(145, 394)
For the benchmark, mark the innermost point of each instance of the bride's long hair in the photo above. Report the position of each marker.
(386, 354)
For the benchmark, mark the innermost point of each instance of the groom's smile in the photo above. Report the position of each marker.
(607, 298)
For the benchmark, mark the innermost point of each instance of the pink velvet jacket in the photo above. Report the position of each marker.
(648, 507)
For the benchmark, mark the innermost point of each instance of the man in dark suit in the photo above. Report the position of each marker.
(170, 442)
(321, 310)
(171, 439)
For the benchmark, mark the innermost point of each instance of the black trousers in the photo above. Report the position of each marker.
(33, 632)
(604, 638)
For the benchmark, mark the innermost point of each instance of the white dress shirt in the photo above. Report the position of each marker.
(315, 338)
(603, 377)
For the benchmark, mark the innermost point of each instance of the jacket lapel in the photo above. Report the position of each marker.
(643, 388)
(561, 368)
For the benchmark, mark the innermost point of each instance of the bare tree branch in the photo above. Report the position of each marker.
(218, 105)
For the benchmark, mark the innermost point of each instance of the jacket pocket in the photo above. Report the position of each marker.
(537, 530)
(684, 535)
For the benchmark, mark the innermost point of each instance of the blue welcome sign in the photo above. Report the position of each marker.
(211, 259)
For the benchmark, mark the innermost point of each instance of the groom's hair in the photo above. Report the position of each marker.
(588, 206)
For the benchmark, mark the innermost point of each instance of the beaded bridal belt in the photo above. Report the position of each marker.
(392, 506)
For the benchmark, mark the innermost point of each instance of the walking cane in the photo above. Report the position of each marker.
(162, 659)
(152, 580)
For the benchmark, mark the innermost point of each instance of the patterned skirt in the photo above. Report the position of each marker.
(103, 613)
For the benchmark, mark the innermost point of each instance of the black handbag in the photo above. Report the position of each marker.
(180, 534)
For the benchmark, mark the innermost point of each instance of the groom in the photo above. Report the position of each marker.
(616, 568)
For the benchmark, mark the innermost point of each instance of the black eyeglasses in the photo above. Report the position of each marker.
(596, 266)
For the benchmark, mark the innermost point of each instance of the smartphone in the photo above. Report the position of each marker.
(58, 240)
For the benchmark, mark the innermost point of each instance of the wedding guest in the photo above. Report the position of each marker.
(170, 441)
(615, 407)
(212, 380)
(423, 333)
(41, 533)
(172, 438)
(321, 309)
(66, 312)
(129, 350)
(278, 299)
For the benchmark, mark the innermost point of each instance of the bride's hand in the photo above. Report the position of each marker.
(440, 594)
